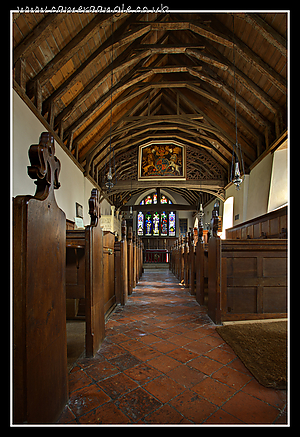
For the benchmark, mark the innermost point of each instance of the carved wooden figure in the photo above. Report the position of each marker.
(39, 299)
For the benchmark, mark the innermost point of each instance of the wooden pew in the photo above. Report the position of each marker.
(130, 260)
(121, 268)
(201, 270)
(84, 274)
(40, 383)
(247, 279)
(110, 300)
(271, 225)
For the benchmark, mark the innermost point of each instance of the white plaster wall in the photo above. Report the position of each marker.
(279, 180)
(259, 186)
(26, 130)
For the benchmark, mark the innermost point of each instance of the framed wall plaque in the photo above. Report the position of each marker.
(162, 160)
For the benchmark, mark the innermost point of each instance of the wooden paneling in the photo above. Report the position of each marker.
(108, 271)
(270, 225)
(247, 279)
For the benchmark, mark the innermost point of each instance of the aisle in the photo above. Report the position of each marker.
(162, 362)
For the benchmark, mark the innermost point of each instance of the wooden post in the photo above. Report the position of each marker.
(214, 278)
(130, 260)
(124, 265)
(134, 259)
(192, 265)
(94, 296)
(200, 286)
(186, 261)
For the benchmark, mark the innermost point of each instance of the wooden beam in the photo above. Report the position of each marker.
(252, 57)
(115, 38)
(225, 64)
(168, 69)
(169, 48)
(70, 49)
(38, 34)
(122, 62)
(159, 207)
(164, 117)
(268, 32)
(142, 88)
(213, 184)
(20, 73)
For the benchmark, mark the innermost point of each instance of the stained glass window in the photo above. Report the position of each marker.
(148, 224)
(156, 223)
(172, 224)
(140, 223)
(164, 224)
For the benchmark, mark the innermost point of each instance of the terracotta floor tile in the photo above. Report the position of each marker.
(135, 333)
(107, 413)
(249, 409)
(118, 338)
(137, 404)
(149, 339)
(83, 400)
(214, 391)
(145, 353)
(213, 341)
(183, 355)
(166, 414)
(239, 366)
(231, 377)
(219, 354)
(163, 363)
(142, 373)
(101, 371)
(131, 345)
(125, 361)
(192, 406)
(221, 417)
(194, 335)
(78, 380)
(164, 388)
(199, 347)
(117, 385)
(110, 350)
(276, 398)
(205, 364)
(164, 346)
(186, 376)
(180, 340)
(66, 416)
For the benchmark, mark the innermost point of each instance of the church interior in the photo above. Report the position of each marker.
(150, 187)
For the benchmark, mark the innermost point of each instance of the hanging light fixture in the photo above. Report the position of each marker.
(237, 157)
(111, 179)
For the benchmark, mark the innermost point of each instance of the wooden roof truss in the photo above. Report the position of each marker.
(172, 77)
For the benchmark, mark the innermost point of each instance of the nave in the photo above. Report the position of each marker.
(162, 362)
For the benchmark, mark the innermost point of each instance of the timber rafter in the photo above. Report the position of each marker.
(173, 78)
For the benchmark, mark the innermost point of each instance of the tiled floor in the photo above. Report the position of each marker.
(162, 362)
